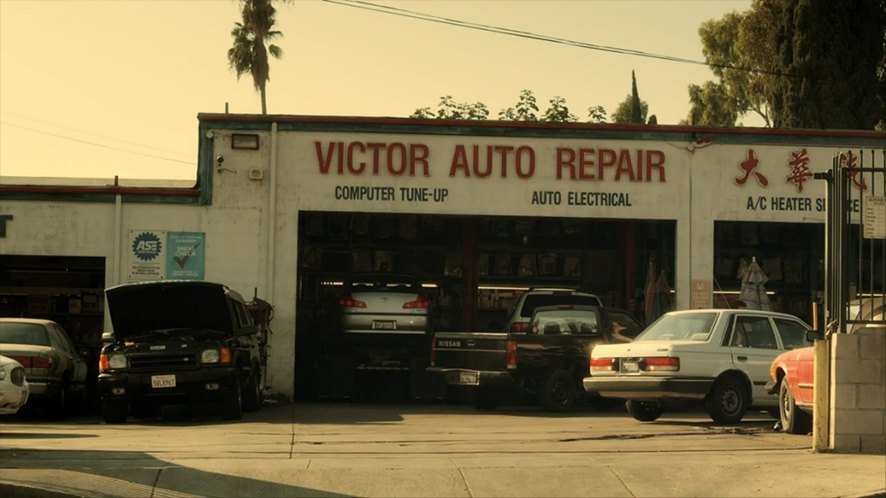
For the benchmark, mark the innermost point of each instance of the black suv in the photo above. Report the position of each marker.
(179, 342)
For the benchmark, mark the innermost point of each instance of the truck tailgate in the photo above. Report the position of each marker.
(470, 350)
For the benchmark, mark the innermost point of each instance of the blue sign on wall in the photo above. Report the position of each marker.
(185, 255)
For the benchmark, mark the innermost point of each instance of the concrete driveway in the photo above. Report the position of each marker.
(343, 449)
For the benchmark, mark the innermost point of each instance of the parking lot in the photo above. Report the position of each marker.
(343, 449)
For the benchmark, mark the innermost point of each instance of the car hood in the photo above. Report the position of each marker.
(142, 308)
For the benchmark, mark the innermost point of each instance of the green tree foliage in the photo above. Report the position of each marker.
(558, 112)
(711, 106)
(633, 110)
(624, 112)
(797, 64)
(597, 114)
(252, 44)
(448, 108)
(835, 51)
(525, 110)
(636, 116)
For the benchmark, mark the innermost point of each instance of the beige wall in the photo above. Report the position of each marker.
(858, 393)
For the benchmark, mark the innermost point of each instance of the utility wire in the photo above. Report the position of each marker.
(96, 144)
(90, 133)
(385, 9)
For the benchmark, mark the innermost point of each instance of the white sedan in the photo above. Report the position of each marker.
(717, 357)
(14, 388)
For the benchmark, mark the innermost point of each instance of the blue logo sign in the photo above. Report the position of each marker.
(146, 246)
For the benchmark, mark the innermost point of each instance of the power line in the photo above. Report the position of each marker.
(90, 133)
(96, 144)
(385, 9)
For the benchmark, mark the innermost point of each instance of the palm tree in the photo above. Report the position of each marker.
(252, 45)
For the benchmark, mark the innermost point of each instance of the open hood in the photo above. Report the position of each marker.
(143, 307)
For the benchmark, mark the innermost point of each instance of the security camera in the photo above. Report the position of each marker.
(219, 160)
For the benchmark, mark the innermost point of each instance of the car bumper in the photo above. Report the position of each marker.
(12, 398)
(40, 388)
(467, 377)
(649, 388)
(192, 386)
(385, 324)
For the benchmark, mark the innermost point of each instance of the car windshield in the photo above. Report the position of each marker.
(680, 327)
(565, 322)
(23, 333)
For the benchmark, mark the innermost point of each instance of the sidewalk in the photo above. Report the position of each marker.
(353, 450)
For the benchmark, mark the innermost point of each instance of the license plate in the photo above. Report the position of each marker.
(384, 325)
(630, 367)
(463, 378)
(468, 378)
(162, 381)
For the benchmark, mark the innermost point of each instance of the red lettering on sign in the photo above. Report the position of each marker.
(630, 165)
(503, 157)
(357, 158)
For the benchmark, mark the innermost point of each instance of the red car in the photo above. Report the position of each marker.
(791, 377)
(791, 373)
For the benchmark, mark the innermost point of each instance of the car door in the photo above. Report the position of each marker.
(793, 336)
(753, 347)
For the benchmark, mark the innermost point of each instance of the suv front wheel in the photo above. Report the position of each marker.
(232, 404)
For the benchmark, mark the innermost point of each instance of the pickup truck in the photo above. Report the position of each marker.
(548, 360)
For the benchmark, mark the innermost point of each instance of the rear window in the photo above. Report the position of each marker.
(23, 333)
(680, 327)
(535, 300)
(384, 283)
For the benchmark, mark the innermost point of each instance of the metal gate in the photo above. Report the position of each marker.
(855, 242)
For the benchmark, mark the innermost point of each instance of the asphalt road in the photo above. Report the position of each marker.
(348, 449)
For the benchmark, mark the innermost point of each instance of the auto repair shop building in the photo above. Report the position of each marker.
(285, 206)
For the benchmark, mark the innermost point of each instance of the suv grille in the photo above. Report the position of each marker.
(163, 360)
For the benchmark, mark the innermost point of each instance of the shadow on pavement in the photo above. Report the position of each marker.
(116, 473)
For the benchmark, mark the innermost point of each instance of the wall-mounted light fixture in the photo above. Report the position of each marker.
(244, 141)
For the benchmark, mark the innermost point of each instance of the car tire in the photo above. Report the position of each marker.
(486, 399)
(645, 411)
(60, 405)
(232, 404)
(558, 391)
(728, 401)
(793, 420)
(252, 398)
(114, 412)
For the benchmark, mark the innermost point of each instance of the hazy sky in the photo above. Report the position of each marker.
(103, 88)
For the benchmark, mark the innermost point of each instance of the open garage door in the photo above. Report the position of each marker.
(472, 268)
(66, 289)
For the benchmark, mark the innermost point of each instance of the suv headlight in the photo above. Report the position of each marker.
(220, 355)
(113, 361)
(210, 356)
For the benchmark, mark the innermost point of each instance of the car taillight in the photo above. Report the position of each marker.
(660, 364)
(33, 361)
(350, 302)
(512, 354)
(519, 327)
(602, 364)
(420, 303)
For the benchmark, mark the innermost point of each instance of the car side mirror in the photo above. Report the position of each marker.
(814, 335)
(107, 337)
